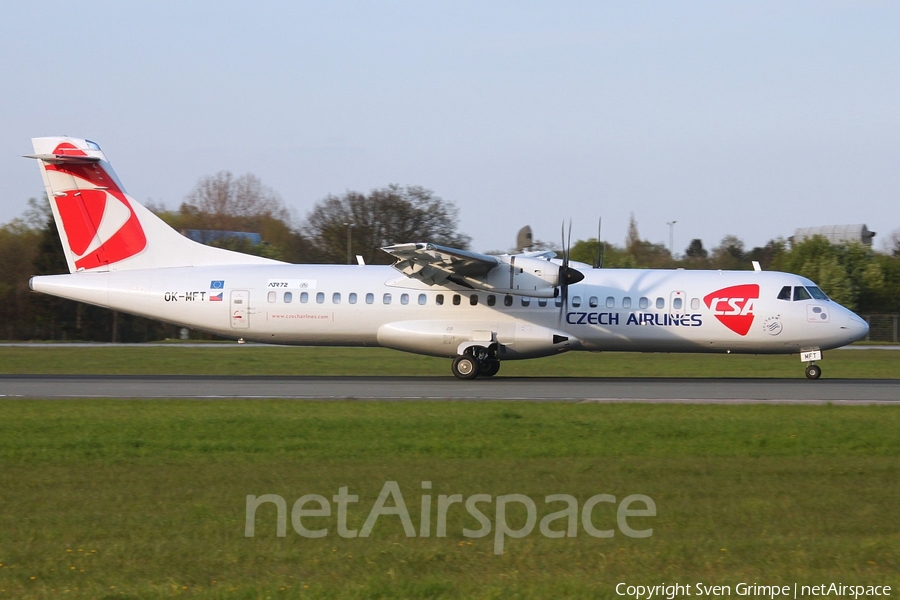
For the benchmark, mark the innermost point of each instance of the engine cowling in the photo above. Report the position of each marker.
(518, 274)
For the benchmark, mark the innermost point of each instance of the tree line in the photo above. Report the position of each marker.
(336, 230)
(853, 274)
(340, 227)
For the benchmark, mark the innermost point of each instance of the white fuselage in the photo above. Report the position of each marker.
(611, 309)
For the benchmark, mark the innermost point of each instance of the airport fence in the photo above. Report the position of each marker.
(882, 328)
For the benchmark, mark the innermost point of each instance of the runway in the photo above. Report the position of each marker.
(655, 390)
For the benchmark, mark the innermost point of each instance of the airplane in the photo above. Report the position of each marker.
(476, 309)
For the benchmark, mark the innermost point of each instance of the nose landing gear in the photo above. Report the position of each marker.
(813, 371)
(810, 357)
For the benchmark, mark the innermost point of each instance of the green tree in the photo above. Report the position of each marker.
(695, 255)
(851, 274)
(19, 241)
(767, 254)
(696, 250)
(223, 202)
(644, 254)
(385, 216)
(614, 257)
(729, 255)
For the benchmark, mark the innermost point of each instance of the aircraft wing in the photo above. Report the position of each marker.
(434, 264)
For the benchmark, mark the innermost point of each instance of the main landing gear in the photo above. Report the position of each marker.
(476, 362)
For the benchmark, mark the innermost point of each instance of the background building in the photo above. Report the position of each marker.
(836, 234)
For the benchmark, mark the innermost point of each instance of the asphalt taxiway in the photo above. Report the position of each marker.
(684, 390)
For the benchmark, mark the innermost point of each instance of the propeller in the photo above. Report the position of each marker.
(601, 247)
(567, 275)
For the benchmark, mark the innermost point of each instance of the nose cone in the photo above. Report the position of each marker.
(857, 328)
(570, 275)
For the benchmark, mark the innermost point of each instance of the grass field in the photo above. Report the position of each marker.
(146, 499)
(233, 359)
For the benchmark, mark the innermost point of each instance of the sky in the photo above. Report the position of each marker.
(729, 118)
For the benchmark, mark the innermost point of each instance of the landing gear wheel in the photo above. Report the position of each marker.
(813, 372)
(490, 368)
(465, 367)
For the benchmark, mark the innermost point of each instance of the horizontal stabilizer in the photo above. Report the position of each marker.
(58, 159)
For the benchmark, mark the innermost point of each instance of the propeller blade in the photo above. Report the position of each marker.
(567, 275)
(599, 262)
(563, 286)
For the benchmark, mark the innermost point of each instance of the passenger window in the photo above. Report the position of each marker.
(660, 303)
(644, 302)
(542, 302)
(507, 301)
(352, 298)
(492, 300)
(304, 297)
(439, 299)
(677, 303)
(422, 299)
(370, 298)
(271, 297)
(594, 302)
(626, 302)
(336, 298)
(404, 298)
(473, 299)
(386, 299)
(695, 303)
(610, 302)
(526, 302)
(320, 297)
(288, 297)
(456, 299)
(800, 293)
(785, 293)
(558, 301)
(576, 301)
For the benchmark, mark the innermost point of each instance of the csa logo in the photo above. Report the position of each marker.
(100, 225)
(733, 306)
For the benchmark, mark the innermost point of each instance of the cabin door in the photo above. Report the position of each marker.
(240, 309)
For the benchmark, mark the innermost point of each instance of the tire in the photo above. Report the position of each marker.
(813, 372)
(465, 367)
(490, 369)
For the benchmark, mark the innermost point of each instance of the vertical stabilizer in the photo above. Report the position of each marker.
(101, 227)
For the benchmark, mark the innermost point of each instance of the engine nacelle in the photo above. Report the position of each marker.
(518, 274)
(521, 276)
(448, 338)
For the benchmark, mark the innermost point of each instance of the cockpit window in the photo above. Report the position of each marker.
(785, 293)
(92, 145)
(800, 293)
(816, 292)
